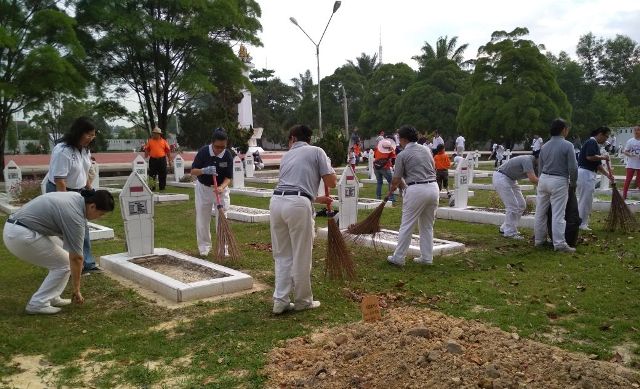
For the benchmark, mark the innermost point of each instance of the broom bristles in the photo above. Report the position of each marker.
(338, 264)
(371, 224)
(620, 216)
(225, 238)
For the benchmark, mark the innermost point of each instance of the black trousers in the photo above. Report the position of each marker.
(442, 177)
(158, 170)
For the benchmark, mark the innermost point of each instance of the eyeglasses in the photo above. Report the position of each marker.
(89, 135)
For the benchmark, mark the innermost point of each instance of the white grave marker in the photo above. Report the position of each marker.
(136, 205)
(43, 184)
(604, 180)
(95, 184)
(139, 165)
(348, 197)
(461, 192)
(507, 156)
(470, 167)
(372, 174)
(476, 159)
(12, 177)
(249, 167)
(238, 173)
(178, 167)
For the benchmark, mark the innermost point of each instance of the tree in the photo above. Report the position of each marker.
(589, 51)
(365, 65)
(513, 90)
(168, 53)
(40, 57)
(354, 84)
(619, 58)
(307, 112)
(445, 49)
(274, 105)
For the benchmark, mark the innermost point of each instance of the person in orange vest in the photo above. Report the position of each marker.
(159, 153)
(443, 163)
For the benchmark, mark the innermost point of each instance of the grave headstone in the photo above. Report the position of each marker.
(136, 205)
(470, 169)
(348, 190)
(238, 173)
(139, 165)
(43, 183)
(461, 193)
(604, 180)
(95, 183)
(178, 167)
(249, 167)
(12, 177)
(476, 159)
(507, 156)
(372, 174)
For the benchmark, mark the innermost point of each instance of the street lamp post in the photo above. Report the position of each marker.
(336, 5)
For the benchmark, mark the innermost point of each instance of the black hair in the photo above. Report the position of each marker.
(409, 133)
(439, 148)
(219, 134)
(601, 130)
(301, 132)
(557, 125)
(101, 198)
(79, 127)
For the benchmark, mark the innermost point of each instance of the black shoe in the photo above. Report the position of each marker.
(93, 269)
(322, 212)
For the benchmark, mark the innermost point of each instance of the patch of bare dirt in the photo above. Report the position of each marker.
(183, 271)
(419, 348)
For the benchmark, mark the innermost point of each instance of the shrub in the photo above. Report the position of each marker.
(187, 178)
(334, 143)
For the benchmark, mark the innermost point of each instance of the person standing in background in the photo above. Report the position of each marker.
(442, 163)
(159, 153)
(460, 145)
(632, 152)
(383, 157)
(69, 171)
(536, 145)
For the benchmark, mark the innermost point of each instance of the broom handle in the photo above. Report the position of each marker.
(610, 171)
(215, 190)
(326, 193)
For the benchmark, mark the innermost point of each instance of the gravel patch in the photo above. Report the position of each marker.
(177, 269)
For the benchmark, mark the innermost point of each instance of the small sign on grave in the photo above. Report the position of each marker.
(238, 173)
(249, 165)
(370, 308)
(12, 177)
(95, 183)
(139, 165)
(348, 191)
(178, 167)
(136, 205)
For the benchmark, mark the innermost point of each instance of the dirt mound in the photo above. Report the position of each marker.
(415, 348)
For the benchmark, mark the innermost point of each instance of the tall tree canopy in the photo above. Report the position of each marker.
(166, 52)
(40, 57)
(513, 90)
(445, 49)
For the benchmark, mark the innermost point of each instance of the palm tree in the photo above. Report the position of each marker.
(365, 64)
(445, 48)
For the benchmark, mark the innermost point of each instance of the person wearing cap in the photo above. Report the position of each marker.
(159, 153)
(416, 166)
(211, 160)
(28, 235)
(69, 171)
(559, 171)
(383, 155)
(291, 219)
(505, 182)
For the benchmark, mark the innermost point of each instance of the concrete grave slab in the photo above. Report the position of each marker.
(252, 192)
(248, 214)
(480, 215)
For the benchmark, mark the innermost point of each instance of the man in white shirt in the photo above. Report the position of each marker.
(536, 145)
(460, 145)
(437, 140)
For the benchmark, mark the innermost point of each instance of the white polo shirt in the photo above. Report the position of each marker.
(70, 164)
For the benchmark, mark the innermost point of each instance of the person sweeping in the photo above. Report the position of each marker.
(291, 219)
(416, 166)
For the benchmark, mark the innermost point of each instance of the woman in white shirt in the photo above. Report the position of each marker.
(632, 151)
(69, 171)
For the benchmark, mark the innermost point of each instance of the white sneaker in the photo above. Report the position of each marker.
(515, 236)
(422, 261)
(392, 260)
(565, 249)
(314, 304)
(585, 228)
(204, 253)
(279, 308)
(46, 310)
(60, 302)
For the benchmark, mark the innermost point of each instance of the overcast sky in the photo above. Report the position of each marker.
(406, 24)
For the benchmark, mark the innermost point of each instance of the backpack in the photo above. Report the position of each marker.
(380, 163)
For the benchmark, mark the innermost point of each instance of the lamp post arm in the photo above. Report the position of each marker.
(325, 29)
(305, 33)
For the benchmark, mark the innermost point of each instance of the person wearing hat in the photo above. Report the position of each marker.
(211, 160)
(159, 153)
(383, 154)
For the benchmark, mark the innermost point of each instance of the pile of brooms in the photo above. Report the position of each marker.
(620, 216)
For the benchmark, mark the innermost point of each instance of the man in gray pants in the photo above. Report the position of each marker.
(559, 170)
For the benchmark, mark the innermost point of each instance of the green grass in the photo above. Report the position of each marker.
(593, 295)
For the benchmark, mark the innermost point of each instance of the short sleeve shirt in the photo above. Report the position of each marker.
(377, 154)
(223, 163)
(70, 164)
(302, 167)
(518, 167)
(633, 146)
(56, 214)
(415, 164)
(589, 149)
(157, 148)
